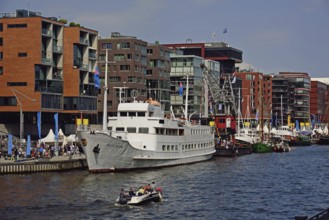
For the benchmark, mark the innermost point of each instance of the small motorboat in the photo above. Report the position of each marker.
(155, 196)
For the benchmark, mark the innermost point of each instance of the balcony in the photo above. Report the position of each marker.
(47, 61)
(88, 90)
(47, 33)
(51, 86)
(92, 56)
(84, 67)
(83, 41)
(57, 49)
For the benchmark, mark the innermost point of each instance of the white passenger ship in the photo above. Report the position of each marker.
(142, 137)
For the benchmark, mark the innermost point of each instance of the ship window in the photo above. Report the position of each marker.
(163, 147)
(161, 121)
(120, 129)
(176, 147)
(172, 147)
(143, 130)
(131, 130)
(168, 147)
(123, 113)
(181, 132)
(132, 114)
(109, 128)
(140, 114)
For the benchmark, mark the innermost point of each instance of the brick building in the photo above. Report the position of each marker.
(37, 54)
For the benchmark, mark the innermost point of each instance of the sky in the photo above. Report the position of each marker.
(274, 35)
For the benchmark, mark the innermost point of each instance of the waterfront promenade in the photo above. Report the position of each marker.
(44, 164)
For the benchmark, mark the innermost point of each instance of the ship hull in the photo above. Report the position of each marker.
(107, 154)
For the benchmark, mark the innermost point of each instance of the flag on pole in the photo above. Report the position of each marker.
(39, 124)
(234, 77)
(213, 35)
(96, 78)
(10, 144)
(56, 126)
(297, 125)
(180, 89)
(225, 31)
(28, 146)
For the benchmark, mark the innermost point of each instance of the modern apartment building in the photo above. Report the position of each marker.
(136, 71)
(47, 67)
(291, 96)
(218, 51)
(256, 97)
(127, 70)
(186, 75)
(158, 74)
(319, 102)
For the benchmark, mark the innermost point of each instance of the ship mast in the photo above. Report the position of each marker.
(105, 94)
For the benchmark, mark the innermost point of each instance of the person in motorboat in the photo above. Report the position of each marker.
(153, 186)
(141, 196)
(124, 197)
(140, 191)
(148, 189)
(131, 192)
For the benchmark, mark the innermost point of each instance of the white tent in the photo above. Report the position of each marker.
(273, 131)
(71, 138)
(50, 138)
(265, 129)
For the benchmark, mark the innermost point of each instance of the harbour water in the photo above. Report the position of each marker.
(256, 186)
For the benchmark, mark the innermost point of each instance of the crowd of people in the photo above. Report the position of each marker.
(42, 150)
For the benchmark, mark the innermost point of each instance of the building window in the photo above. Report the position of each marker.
(16, 83)
(16, 25)
(125, 45)
(115, 79)
(1, 70)
(149, 51)
(8, 101)
(1, 55)
(118, 57)
(1, 27)
(107, 46)
(22, 54)
(1, 41)
(124, 67)
(131, 79)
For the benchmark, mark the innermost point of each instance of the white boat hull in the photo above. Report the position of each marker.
(119, 155)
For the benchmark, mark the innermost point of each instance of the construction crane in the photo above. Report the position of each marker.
(222, 101)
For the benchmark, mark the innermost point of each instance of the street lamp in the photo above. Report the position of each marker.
(21, 119)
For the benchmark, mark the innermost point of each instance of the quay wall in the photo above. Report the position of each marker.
(42, 166)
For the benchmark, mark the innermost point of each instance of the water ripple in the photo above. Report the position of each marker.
(256, 186)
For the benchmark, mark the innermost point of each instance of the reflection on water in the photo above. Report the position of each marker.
(256, 186)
